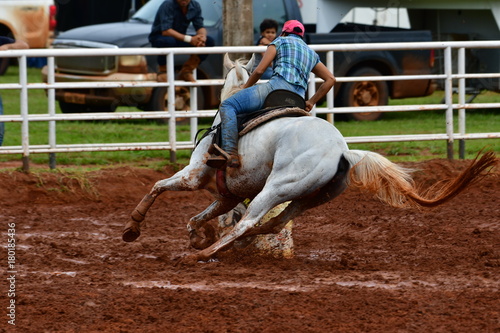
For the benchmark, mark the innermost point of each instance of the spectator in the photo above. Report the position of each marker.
(169, 30)
(7, 43)
(268, 30)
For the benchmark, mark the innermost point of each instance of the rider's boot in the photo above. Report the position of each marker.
(161, 76)
(187, 69)
(234, 160)
(223, 159)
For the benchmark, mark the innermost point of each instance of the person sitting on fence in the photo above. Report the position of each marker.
(169, 30)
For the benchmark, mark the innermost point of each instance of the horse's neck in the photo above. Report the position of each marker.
(217, 120)
(234, 79)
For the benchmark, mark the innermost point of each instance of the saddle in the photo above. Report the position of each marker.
(279, 103)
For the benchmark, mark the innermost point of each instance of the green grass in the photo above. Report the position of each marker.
(426, 122)
(150, 131)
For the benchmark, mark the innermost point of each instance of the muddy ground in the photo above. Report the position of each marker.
(359, 266)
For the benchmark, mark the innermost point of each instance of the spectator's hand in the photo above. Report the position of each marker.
(264, 41)
(199, 40)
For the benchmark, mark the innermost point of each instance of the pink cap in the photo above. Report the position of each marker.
(294, 27)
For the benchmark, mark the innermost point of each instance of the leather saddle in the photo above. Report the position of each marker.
(277, 99)
(279, 103)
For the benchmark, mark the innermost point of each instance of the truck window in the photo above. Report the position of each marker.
(263, 9)
(211, 11)
(382, 17)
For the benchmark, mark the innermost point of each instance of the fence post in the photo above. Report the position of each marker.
(171, 107)
(51, 95)
(193, 105)
(461, 101)
(448, 100)
(330, 95)
(312, 91)
(23, 80)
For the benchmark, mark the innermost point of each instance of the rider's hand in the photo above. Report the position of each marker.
(309, 106)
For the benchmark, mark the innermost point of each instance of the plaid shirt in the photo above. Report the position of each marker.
(294, 59)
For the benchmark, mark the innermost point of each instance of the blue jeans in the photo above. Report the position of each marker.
(166, 41)
(246, 101)
(2, 125)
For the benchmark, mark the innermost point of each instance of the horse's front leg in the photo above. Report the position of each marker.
(201, 239)
(184, 180)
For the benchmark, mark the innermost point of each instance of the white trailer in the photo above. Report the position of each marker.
(448, 20)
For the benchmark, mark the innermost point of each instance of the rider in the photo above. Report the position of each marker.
(293, 61)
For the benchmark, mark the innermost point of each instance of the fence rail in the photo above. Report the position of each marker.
(173, 145)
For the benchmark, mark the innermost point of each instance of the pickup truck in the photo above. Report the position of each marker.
(135, 31)
(32, 21)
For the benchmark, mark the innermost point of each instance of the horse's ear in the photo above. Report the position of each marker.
(228, 63)
(249, 65)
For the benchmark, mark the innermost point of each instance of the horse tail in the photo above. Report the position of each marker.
(394, 185)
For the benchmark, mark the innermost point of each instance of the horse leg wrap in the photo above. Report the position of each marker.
(132, 231)
(137, 216)
(133, 228)
(140, 211)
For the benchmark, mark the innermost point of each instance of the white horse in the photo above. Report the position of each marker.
(304, 160)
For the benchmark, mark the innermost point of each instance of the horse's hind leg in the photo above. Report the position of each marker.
(327, 193)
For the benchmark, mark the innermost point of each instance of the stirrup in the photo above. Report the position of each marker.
(214, 149)
(217, 162)
(220, 160)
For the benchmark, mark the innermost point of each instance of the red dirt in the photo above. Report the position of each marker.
(359, 265)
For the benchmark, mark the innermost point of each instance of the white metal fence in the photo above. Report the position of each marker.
(24, 117)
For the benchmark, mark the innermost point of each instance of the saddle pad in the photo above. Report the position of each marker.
(276, 113)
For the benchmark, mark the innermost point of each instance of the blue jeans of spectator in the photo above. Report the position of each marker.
(246, 101)
(2, 125)
(167, 41)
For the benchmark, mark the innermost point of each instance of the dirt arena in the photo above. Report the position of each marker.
(359, 266)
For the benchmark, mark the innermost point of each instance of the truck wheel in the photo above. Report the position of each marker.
(83, 108)
(365, 93)
(159, 101)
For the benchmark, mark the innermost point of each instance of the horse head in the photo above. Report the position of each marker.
(238, 73)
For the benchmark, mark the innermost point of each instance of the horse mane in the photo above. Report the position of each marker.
(234, 79)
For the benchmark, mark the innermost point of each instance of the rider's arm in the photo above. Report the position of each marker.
(329, 80)
(266, 61)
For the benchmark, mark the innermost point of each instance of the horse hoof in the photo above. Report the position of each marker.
(244, 242)
(132, 231)
(206, 239)
(189, 260)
